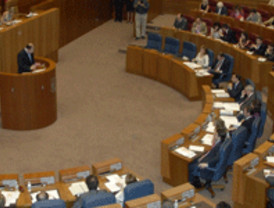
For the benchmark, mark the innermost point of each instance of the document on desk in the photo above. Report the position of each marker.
(268, 172)
(270, 159)
(39, 70)
(218, 105)
(196, 148)
(210, 127)
(231, 106)
(207, 139)
(115, 182)
(215, 91)
(185, 152)
(53, 194)
(11, 197)
(230, 121)
(222, 95)
(113, 187)
(202, 73)
(226, 112)
(78, 188)
(192, 65)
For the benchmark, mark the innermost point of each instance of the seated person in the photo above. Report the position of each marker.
(220, 8)
(256, 105)
(235, 88)
(199, 27)
(167, 204)
(254, 16)
(202, 57)
(220, 67)
(92, 184)
(215, 30)
(204, 6)
(6, 17)
(269, 22)
(243, 41)
(271, 2)
(238, 13)
(25, 59)
(227, 34)
(120, 195)
(42, 196)
(259, 47)
(180, 22)
(2, 201)
(223, 204)
(269, 53)
(211, 158)
(247, 96)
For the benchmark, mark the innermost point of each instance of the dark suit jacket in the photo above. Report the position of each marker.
(223, 10)
(246, 102)
(248, 124)
(260, 51)
(213, 156)
(24, 62)
(224, 67)
(180, 24)
(229, 36)
(79, 202)
(235, 92)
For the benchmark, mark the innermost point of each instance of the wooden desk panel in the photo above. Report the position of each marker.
(134, 61)
(73, 173)
(143, 202)
(262, 150)
(164, 63)
(42, 30)
(150, 66)
(270, 98)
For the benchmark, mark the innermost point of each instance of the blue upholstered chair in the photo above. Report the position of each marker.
(211, 57)
(239, 137)
(56, 203)
(138, 189)
(154, 41)
(219, 171)
(251, 141)
(226, 77)
(263, 119)
(172, 46)
(189, 50)
(258, 95)
(99, 199)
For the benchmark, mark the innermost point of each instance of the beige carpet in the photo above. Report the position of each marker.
(103, 112)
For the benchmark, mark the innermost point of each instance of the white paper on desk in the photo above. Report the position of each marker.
(16, 21)
(218, 105)
(113, 177)
(222, 95)
(202, 73)
(261, 59)
(192, 65)
(196, 148)
(53, 194)
(207, 139)
(1, 28)
(112, 186)
(78, 188)
(11, 197)
(226, 112)
(270, 159)
(230, 121)
(250, 52)
(38, 70)
(185, 152)
(210, 127)
(268, 172)
(218, 91)
(231, 106)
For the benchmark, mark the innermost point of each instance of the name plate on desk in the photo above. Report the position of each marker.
(47, 180)
(83, 174)
(116, 166)
(10, 183)
(156, 204)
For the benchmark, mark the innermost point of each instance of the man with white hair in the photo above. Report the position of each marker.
(247, 97)
(221, 9)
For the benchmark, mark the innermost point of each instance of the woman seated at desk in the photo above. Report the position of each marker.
(243, 41)
(204, 6)
(202, 57)
(238, 13)
(215, 31)
(211, 158)
(6, 17)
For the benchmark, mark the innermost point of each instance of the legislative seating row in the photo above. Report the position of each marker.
(246, 65)
(253, 29)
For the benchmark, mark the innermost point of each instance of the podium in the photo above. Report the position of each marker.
(28, 100)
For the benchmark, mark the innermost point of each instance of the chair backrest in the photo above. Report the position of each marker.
(172, 45)
(222, 163)
(189, 50)
(55, 203)
(231, 65)
(211, 56)
(263, 119)
(138, 189)
(99, 199)
(251, 141)
(239, 138)
(154, 41)
(250, 82)
(258, 95)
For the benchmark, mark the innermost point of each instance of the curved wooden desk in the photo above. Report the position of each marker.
(245, 65)
(28, 101)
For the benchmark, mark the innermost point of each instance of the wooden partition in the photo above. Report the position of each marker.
(28, 101)
(41, 30)
(270, 99)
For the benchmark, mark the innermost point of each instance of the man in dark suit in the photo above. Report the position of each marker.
(221, 9)
(247, 96)
(25, 59)
(248, 119)
(227, 34)
(92, 183)
(235, 88)
(269, 53)
(219, 68)
(259, 48)
(118, 4)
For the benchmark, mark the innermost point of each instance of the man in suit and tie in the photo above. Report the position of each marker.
(227, 34)
(25, 59)
(219, 68)
(92, 184)
(221, 9)
(247, 96)
(248, 118)
(259, 48)
(235, 88)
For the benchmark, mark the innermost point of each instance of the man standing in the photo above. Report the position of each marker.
(141, 9)
(25, 59)
(118, 4)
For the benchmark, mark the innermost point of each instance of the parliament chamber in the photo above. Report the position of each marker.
(30, 101)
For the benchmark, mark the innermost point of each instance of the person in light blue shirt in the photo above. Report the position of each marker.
(141, 9)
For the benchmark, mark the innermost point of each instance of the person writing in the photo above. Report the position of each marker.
(202, 57)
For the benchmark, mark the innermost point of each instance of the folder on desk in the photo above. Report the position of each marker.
(78, 188)
(185, 152)
(11, 197)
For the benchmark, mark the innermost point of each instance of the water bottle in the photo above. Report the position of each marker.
(176, 204)
(29, 186)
